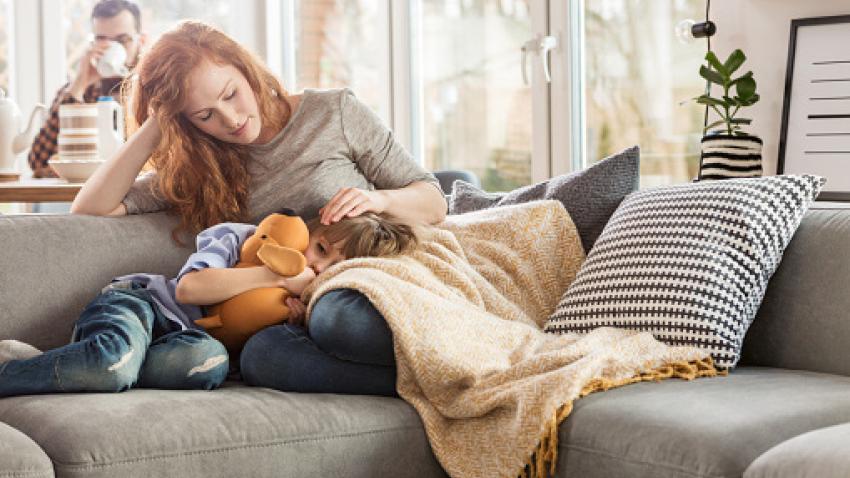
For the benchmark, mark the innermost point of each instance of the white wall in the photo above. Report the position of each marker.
(761, 28)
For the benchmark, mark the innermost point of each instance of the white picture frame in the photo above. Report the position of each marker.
(815, 136)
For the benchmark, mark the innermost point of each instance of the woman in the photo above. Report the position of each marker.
(228, 143)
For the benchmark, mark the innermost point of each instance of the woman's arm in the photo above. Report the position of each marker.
(214, 285)
(403, 187)
(418, 202)
(102, 193)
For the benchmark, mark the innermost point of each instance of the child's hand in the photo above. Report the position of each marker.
(297, 284)
(297, 311)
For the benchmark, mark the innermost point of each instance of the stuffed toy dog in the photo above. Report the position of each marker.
(278, 243)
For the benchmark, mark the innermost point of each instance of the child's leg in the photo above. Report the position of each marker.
(345, 324)
(184, 360)
(284, 357)
(110, 340)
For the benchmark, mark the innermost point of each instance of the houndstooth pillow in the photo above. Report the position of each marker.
(688, 263)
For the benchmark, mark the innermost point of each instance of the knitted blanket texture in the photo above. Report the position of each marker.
(467, 311)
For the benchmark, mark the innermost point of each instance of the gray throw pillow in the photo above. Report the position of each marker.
(590, 196)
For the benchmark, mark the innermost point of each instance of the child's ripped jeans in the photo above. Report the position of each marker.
(121, 341)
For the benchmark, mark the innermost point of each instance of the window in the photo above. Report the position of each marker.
(639, 80)
(476, 111)
(343, 43)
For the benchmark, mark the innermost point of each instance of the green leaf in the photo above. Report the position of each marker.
(740, 121)
(731, 101)
(711, 76)
(712, 60)
(735, 60)
(749, 101)
(707, 100)
(746, 88)
(748, 74)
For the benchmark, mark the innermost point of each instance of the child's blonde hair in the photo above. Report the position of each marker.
(368, 235)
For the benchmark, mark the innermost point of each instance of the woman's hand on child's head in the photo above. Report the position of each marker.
(297, 284)
(351, 202)
(297, 311)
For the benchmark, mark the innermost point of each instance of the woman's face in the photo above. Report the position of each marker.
(222, 104)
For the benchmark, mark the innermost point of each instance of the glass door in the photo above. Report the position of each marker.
(478, 111)
(5, 45)
(343, 43)
(638, 82)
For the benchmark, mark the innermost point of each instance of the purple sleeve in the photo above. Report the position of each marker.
(218, 246)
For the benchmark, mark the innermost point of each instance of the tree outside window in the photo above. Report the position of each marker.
(639, 79)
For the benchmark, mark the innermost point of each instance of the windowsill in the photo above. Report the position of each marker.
(830, 205)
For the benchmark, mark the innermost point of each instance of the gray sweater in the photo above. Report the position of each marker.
(332, 141)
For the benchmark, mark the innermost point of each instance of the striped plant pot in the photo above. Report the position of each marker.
(730, 156)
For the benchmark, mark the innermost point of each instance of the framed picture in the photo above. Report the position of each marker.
(815, 137)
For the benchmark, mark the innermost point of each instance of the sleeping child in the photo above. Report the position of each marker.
(140, 331)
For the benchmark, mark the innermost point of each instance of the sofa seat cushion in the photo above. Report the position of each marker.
(20, 457)
(709, 427)
(823, 453)
(233, 431)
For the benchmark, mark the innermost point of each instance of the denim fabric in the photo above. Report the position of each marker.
(121, 340)
(349, 349)
(345, 324)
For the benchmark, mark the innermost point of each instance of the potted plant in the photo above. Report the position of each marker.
(727, 150)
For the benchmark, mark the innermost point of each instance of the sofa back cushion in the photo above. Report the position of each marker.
(53, 265)
(804, 319)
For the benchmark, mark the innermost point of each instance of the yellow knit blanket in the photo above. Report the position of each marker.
(467, 312)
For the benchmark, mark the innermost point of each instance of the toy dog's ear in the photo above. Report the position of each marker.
(284, 261)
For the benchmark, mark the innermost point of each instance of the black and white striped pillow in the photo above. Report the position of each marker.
(688, 263)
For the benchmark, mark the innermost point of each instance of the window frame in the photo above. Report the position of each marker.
(267, 27)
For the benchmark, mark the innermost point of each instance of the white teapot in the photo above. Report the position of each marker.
(13, 141)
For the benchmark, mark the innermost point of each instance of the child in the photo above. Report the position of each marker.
(367, 235)
(347, 347)
(140, 331)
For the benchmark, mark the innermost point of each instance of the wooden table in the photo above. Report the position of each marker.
(39, 190)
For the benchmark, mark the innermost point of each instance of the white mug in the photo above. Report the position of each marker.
(112, 63)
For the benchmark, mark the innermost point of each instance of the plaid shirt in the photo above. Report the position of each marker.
(44, 144)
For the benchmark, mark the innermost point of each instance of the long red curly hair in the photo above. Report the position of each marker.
(205, 180)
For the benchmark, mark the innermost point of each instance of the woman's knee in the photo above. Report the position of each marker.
(345, 315)
(344, 323)
(276, 357)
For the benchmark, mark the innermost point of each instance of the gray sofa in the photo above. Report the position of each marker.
(784, 412)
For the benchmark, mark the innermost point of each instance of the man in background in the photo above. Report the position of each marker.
(112, 20)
